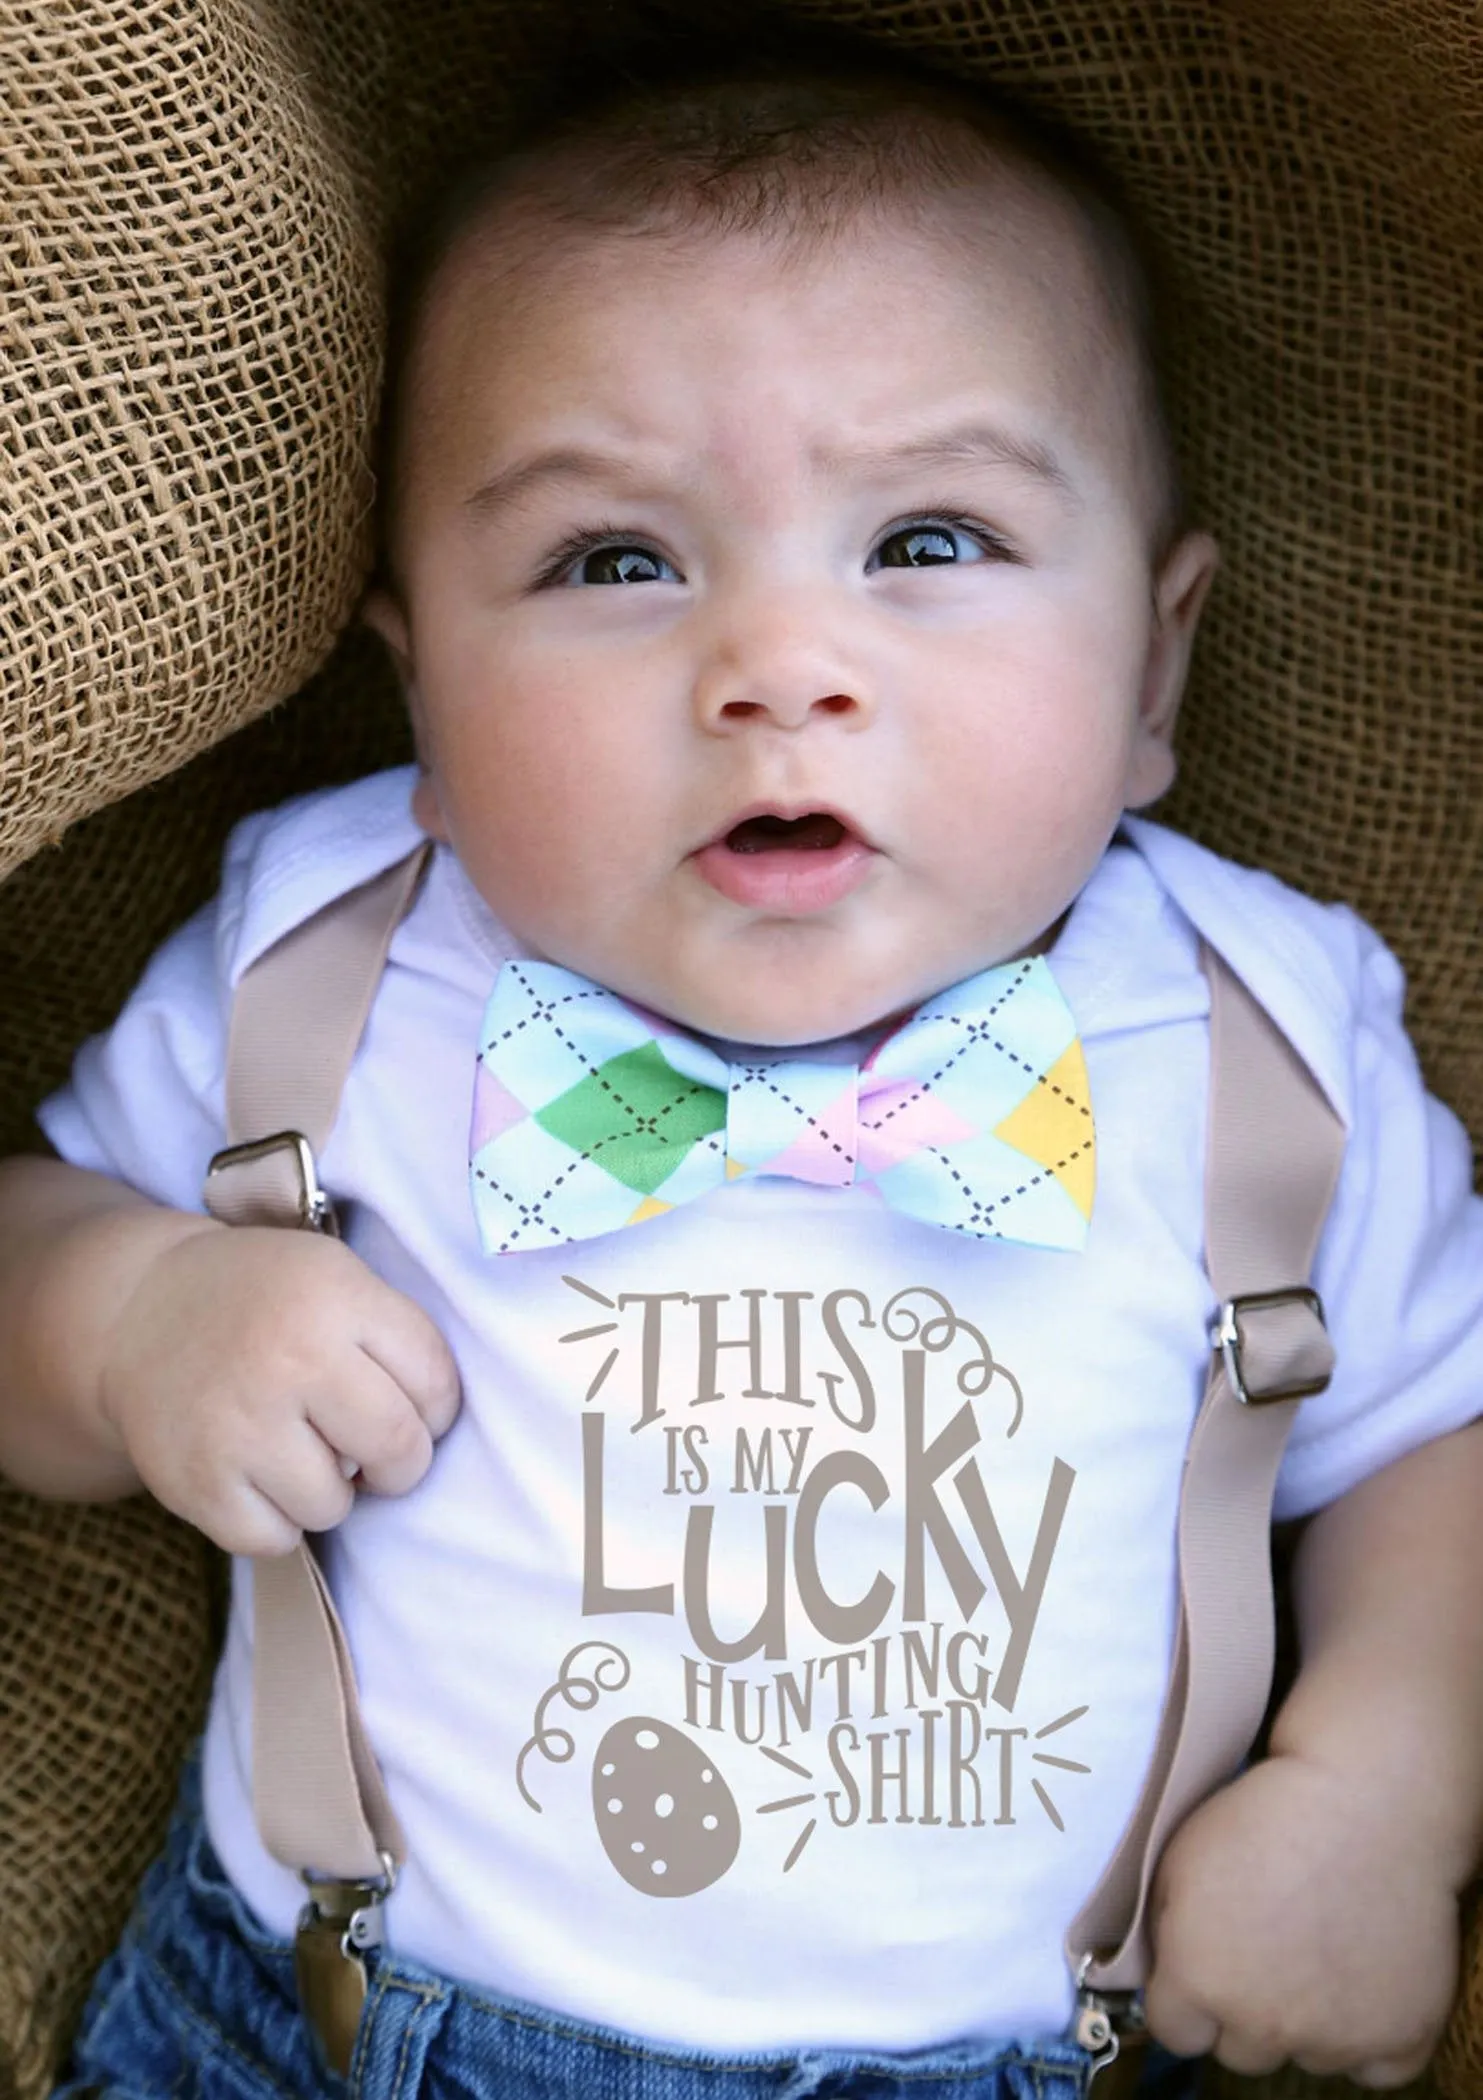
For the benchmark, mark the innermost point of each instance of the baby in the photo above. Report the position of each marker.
(785, 563)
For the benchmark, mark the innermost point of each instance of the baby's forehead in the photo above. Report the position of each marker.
(1005, 263)
(529, 215)
(588, 211)
(1014, 249)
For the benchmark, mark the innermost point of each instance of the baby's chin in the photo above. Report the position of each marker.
(799, 1035)
(779, 994)
(790, 1000)
(820, 1013)
(776, 1022)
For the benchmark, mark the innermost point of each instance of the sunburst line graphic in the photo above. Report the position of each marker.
(587, 1334)
(1061, 1764)
(600, 1380)
(1061, 1721)
(773, 1808)
(587, 1291)
(1047, 1804)
(799, 1842)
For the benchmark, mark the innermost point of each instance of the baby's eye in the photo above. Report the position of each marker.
(618, 563)
(933, 543)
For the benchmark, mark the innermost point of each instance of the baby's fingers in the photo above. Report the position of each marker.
(359, 1430)
(377, 1429)
(299, 1478)
(400, 1341)
(1179, 2021)
(267, 1512)
(1399, 2070)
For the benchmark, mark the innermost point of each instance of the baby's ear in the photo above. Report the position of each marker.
(1179, 592)
(427, 807)
(380, 611)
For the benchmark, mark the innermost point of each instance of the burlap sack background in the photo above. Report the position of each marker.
(191, 203)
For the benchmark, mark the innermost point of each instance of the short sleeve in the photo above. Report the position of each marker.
(1399, 1268)
(144, 1102)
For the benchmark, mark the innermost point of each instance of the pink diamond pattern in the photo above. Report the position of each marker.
(825, 1151)
(496, 1109)
(899, 1118)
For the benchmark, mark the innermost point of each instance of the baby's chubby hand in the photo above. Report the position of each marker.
(248, 1373)
(1302, 1913)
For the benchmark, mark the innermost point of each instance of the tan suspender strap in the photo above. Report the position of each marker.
(1273, 1150)
(317, 1792)
(299, 1014)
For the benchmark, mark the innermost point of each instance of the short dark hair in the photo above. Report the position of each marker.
(791, 148)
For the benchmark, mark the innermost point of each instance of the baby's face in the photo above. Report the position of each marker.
(779, 621)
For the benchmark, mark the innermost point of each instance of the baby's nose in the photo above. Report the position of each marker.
(789, 710)
(785, 673)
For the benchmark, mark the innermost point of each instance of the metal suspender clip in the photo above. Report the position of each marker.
(337, 1924)
(1105, 2021)
(316, 1212)
(1231, 1336)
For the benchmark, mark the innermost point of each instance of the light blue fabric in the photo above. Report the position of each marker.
(591, 1113)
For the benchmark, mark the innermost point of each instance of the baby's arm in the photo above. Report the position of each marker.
(1309, 1910)
(230, 1370)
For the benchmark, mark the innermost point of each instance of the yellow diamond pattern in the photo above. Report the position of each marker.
(1053, 1126)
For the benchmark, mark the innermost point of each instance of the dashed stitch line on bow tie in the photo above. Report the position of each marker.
(1083, 1108)
(1011, 1056)
(759, 1074)
(530, 1211)
(1017, 984)
(644, 1121)
(983, 1213)
(544, 1010)
(976, 1030)
(543, 1013)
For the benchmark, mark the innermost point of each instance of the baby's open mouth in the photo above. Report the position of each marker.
(789, 865)
(814, 833)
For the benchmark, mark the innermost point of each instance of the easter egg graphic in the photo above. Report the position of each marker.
(667, 1819)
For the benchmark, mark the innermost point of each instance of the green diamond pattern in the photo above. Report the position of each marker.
(635, 1116)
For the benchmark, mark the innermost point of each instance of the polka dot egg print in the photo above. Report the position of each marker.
(666, 1818)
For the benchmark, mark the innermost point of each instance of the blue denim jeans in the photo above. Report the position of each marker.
(198, 2003)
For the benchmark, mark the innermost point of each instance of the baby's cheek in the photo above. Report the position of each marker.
(1029, 848)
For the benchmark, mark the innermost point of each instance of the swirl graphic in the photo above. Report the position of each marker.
(904, 1323)
(581, 1693)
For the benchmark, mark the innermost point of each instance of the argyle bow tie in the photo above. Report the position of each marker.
(590, 1113)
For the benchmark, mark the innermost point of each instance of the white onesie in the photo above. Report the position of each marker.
(772, 1653)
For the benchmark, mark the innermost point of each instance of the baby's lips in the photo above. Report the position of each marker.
(792, 881)
(797, 825)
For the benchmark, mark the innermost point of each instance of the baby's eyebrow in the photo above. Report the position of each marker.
(968, 444)
(562, 463)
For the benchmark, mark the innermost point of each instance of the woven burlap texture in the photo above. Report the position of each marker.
(190, 363)
(191, 203)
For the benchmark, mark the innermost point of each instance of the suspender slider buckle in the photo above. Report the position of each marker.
(271, 1181)
(1274, 1345)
